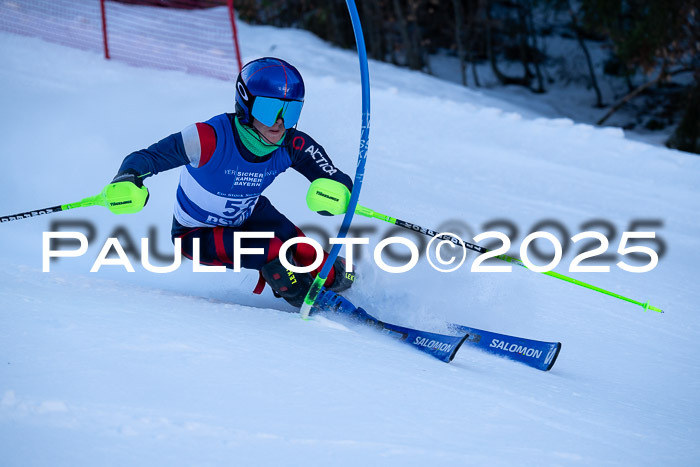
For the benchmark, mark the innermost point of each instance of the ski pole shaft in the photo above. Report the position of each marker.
(363, 211)
(28, 214)
(120, 198)
(90, 201)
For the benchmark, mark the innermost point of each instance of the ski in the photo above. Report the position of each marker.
(537, 354)
(440, 346)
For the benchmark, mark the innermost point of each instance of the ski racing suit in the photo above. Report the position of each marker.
(221, 186)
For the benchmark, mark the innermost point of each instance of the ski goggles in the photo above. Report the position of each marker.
(268, 109)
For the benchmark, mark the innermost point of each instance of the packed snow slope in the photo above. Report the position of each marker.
(185, 368)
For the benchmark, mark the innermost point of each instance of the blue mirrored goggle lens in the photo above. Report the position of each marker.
(267, 109)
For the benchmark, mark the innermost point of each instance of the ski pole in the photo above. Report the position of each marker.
(120, 198)
(326, 195)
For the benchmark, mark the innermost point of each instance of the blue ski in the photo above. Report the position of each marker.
(537, 354)
(440, 346)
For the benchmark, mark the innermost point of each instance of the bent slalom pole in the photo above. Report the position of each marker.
(328, 196)
(120, 198)
(353, 197)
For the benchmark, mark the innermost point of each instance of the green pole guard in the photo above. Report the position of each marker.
(124, 197)
(326, 195)
(119, 198)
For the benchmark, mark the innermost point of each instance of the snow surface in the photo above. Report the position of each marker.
(117, 368)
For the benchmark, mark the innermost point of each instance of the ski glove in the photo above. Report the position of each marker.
(129, 175)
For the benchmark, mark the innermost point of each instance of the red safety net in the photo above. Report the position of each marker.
(194, 36)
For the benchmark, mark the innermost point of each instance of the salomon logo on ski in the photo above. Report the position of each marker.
(515, 348)
(433, 344)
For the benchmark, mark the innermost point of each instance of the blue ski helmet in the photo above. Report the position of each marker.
(267, 89)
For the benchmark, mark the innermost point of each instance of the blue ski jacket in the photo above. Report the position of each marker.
(221, 180)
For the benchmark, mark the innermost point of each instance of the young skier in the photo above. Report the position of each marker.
(228, 161)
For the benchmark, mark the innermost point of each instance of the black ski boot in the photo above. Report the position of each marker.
(343, 280)
(292, 286)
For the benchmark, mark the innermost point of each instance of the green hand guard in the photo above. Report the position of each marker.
(326, 195)
(124, 197)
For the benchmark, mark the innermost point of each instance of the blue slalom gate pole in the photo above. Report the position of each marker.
(359, 172)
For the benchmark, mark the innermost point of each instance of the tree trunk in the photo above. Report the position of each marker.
(523, 37)
(533, 46)
(633, 94)
(413, 60)
(475, 19)
(372, 30)
(686, 137)
(459, 39)
(492, 55)
(420, 59)
(335, 24)
(591, 70)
